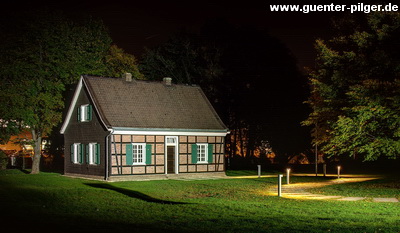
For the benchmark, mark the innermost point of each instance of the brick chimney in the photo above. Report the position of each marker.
(128, 77)
(167, 81)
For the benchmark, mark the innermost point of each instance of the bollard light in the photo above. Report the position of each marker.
(280, 185)
(287, 175)
(338, 172)
(259, 170)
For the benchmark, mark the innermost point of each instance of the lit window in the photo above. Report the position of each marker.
(76, 153)
(138, 153)
(202, 153)
(85, 113)
(93, 153)
(202, 150)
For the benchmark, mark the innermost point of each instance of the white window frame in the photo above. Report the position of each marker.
(84, 113)
(92, 153)
(143, 154)
(202, 152)
(75, 153)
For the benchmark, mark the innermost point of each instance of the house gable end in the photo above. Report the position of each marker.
(81, 86)
(85, 128)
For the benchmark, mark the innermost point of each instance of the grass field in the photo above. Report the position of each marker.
(49, 202)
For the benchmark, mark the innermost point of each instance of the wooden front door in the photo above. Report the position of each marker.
(171, 159)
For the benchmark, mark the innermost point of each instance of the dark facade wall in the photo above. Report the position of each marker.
(85, 133)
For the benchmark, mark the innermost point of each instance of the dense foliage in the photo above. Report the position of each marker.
(355, 90)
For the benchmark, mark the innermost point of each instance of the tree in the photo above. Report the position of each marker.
(118, 62)
(186, 59)
(371, 126)
(41, 53)
(355, 88)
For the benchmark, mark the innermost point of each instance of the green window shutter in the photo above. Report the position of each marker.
(210, 153)
(87, 153)
(81, 153)
(148, 154)
(97, 157)
(72, 153)
(194, 153)
(129, 158)
(79, 114)
(89, 112)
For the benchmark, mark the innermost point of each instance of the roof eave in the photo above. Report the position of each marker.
(170, 131)
(72, 106)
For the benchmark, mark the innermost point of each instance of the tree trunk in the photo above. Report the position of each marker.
(234, 143)
(242, 142)
(37, 149)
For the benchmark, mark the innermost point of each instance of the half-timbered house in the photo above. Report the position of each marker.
(125, 128)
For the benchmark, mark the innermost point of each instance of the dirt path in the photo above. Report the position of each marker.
(298, 190)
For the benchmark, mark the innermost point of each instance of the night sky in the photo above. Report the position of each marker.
(134, 25)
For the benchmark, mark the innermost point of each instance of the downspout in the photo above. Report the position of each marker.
(107, 154)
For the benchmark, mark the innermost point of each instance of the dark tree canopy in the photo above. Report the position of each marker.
(250, 77)
(355, 89)
(186, 59)
(42, 52)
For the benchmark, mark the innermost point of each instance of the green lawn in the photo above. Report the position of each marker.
(53, 203)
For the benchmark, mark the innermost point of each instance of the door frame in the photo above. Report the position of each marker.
(176, 161)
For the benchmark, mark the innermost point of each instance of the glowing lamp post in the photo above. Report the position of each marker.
(259, 170)
(287, 175)
(338, 172)
(280, 185)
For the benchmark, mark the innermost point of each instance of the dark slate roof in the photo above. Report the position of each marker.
(145, 104)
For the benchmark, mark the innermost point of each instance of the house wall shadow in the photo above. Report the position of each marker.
(134, 194)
